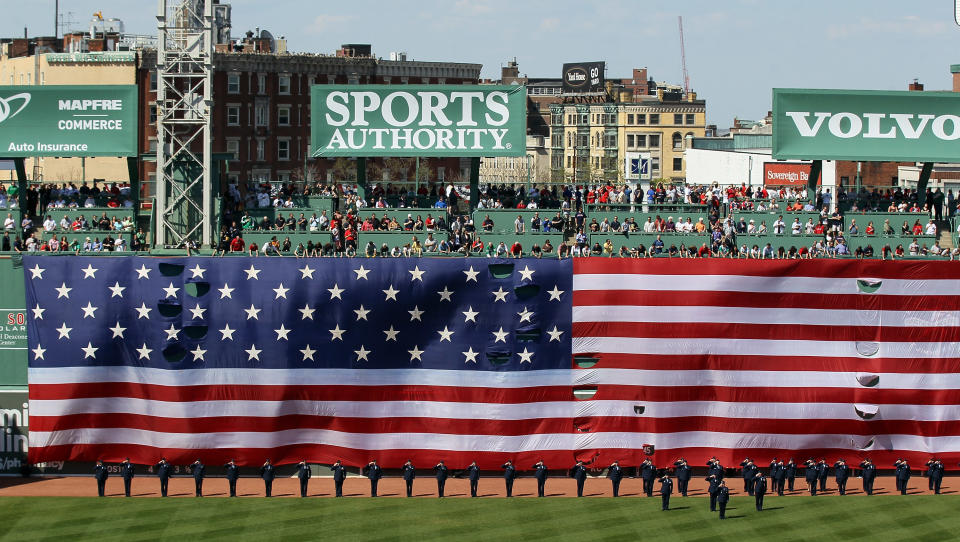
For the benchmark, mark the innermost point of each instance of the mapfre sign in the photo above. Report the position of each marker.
(866, 125)
(418, 120)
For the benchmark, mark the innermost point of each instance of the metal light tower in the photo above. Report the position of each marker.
(184, 122)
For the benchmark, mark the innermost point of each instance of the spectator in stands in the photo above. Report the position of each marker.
(49, 224)
(657, 247)
(870, 229)
(917, 228)
(931, 228)
(905, 229)
(536, 252)
(430, 244)
(779, 227)
(516, 249)
(535, 222)
(518, 226)
(887, 228)
(501, 251)
(914, 247)
(547, 247)
(8, 223)
(795, 227)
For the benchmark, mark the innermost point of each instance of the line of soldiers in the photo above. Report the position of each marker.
(782, 476)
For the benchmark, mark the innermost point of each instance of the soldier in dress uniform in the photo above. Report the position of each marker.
(790, 473)
(759, 490)
(666, 488)
(579, 473)
(683, 471)
(304, 472)
(126, 472)
(100, 474)
(903, 476)
(714, 486)
(233, 473)
(199, 471)
(615, 474)
(934, 475)
(163, 473)
(540, 473)
(840, 473)
(810, 473)
(339, 475)
(409, 473)
(374, 473)
(268, 473)
(648, 472)
(868, 472)
(822, 474)
(748, 472)
(723, 497)
(441, 471)
(473, 472)
(509, 474)
(715, 468)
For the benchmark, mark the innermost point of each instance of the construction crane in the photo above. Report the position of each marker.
(683, 59)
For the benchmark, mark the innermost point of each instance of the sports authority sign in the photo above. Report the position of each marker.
(418, 120)
(68, 121)
(786, 173)
(866, 125)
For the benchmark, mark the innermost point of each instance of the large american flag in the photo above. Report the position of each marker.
(478, 360)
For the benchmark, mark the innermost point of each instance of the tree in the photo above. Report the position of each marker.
(344, 170)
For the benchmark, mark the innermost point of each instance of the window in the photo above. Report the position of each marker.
(153, 80)
(260, 150)
(641, 140)
(283, 149)
(261, 115)
(569, 161)
(677, 141)
(654, 118)
(283, 84)
(153, 145)
(153, 113)
(654, 164)
(556, 161)
(583, 140)
(233, 83)
(690, 119)
(678, 164)
(654, 140)
(556, 140)
(641, 119)
(233, 115)
(610, 140)
(233, 147)
(283, 116)
(630, 141)
(678, 118)
(262, 83)
(630, 119)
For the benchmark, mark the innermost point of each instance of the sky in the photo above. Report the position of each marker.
(737, 50)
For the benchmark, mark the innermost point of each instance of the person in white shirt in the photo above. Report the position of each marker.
(914, 248)
(65, 223)
(763, 228)
(935, 249)
(795, 227)
(779, 226)
(931, 228)
(8, 223)
(648, 226)
(688, 226)
(49, 225)
(89, 202)
(323, 221)
(808, 228)
(751, 227)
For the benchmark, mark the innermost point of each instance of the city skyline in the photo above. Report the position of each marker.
(736, 51)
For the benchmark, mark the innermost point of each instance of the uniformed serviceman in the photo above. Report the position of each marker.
(868, 472)
(304, 472)
(615, 474)
(509, 474)
(723, 497)
(441, 471)
(374, 473)
(749, 472)
(540, 473)
(776, 467)
(268, 473)
(409, 473)
(714, 486)
(715, 468)
(822, 473)
(666, 488)
(840, 473)
(199, 471)
(126, 472)
(810, 474)
(473, 472)
(779, 481)
(934, 475)
(683, 471)
(233, 473)
(759, 490)
(339, 475)
(101, 474)
(579, 473)
(790, 473)
(163, 473)
(903, 476)
(648, 472)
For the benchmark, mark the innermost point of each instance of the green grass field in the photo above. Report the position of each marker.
(884, 518)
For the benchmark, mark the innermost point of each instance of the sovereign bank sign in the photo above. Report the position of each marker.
(418, 120)
(68, 120)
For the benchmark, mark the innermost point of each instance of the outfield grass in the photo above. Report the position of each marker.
(884, 518)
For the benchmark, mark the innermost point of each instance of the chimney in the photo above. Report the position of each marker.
(915, 86)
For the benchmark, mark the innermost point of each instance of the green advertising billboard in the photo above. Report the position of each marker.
(418, 120)
(866, 125)
(68, 120)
